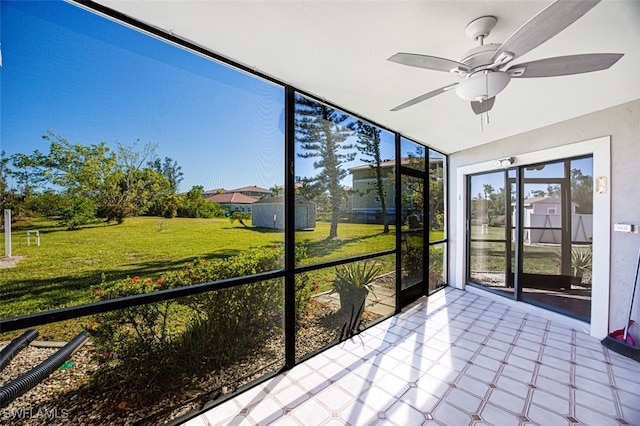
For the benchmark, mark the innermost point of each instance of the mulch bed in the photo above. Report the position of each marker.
(67, 398)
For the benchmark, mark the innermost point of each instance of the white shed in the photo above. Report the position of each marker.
(269, 213)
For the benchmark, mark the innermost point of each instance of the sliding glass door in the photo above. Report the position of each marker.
(530, 234)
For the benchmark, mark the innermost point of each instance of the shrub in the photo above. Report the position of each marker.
(228, 323)
(158, 340)
(78, 211)
(412, 263)
(355, 276)
(413, 259)
(48, 204)
(127, 339)
(304, 286)
(193, 205)
(581, 261)
(436, 266)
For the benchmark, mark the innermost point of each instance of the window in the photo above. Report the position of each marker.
(344, 183)
(127, 173)
(158, 192)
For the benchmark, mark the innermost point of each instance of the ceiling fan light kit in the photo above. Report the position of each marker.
(486, 69)
(482, 85)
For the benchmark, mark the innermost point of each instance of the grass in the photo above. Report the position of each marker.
(68, 265)
(490, 256)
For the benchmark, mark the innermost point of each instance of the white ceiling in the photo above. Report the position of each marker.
(337, 50)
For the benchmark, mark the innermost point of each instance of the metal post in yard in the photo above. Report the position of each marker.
(7, 232)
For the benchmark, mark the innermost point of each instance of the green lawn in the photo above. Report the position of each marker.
(490, 256)
(68, 265)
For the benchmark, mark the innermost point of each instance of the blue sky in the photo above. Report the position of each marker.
(91, 79)
(554, 170)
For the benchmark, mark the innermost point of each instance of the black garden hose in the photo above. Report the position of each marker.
(16, 345)
(22, 384)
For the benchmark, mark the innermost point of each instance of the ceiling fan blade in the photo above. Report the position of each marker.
(564, 65)
(546, 24)
(427, 62)
(484, 106)
(424, 97)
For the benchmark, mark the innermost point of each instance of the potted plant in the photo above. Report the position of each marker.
(353, 283)
(581, 261)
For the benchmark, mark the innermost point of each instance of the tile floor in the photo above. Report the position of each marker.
(458, 359)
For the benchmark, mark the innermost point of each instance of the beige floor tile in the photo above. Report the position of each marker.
(455, 359)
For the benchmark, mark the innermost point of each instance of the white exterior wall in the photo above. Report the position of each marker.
(581, 228)
(613, 136)
(264, 214)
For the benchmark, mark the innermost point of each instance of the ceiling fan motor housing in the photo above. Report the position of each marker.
(479, 56)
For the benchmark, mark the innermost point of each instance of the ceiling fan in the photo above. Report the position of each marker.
(486, 69)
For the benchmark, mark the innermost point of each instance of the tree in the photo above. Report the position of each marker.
(553, 190)
(48, 203)
(582, 191)
(488, 190)
(4, 185)
(170, 170)
(121, 183)
(82, 170)
(9, 199)
(369, 145)
(312, 191)
(27, 171)
(436, 197)
(415, 196)
(322, 133)
(78, 211)
(193, 205)
(240, 217)
(125, 193)
(276, 190)
(538, 193)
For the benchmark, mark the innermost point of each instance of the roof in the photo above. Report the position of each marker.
(543, 200)
(250, 189)
(212, 192)
(231, 197)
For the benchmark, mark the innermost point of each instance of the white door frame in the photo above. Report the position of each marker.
(600, 149)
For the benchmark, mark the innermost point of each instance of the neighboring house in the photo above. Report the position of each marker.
(545, 212)
(233, 201)
(269, 213)
(365, 202)
(212, 192)
(545, 205)
(251, 191)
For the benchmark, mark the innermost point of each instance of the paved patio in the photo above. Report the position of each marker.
(457, 359)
